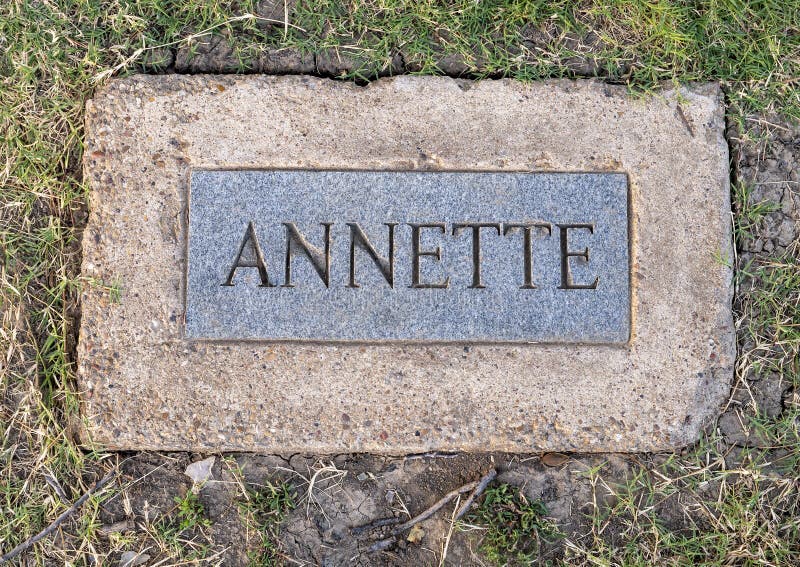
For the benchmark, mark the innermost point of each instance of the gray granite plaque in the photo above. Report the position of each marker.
(434, 256)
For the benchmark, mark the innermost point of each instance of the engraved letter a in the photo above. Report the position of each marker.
(250, 256)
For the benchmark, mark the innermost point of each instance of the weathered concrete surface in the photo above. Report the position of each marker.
(146, 387)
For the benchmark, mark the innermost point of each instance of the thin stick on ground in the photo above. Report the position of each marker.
(58, 521)
(453, 519)
(484, 482)
(476, 487)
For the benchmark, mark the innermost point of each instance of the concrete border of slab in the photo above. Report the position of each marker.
(146, 388)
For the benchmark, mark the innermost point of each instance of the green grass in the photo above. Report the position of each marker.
(746, 516)
(263, 511)
(770, 303)
(751, 45)
(191, 513)
(181, 534)
(750, 214)
(511, 529)
(54, 53)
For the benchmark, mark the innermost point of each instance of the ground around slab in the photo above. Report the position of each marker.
(731, 499)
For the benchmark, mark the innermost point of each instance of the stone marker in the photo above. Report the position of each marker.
(291, 264)
(489, 257)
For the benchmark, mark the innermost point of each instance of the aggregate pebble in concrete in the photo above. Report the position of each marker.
(145, 387)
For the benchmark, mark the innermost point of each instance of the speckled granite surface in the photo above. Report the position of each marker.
(145, 386)
(440, 292)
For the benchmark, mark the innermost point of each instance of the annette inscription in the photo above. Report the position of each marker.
(355, 255)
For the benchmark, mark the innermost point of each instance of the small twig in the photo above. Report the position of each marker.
(476, 487)
(285, 19)
(51, 480)
(58, 521)
(489, 477)
(768, 123)
(433, 509)
(453, 520)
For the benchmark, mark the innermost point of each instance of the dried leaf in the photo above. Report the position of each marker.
(416, 534)
(554, 459)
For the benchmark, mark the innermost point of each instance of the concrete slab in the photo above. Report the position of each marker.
(147, 386)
